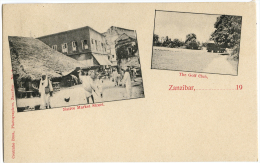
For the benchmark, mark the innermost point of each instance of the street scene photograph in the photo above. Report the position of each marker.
(195, 42)
(75, 67)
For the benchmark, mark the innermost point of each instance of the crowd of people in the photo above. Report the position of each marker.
(92, 82)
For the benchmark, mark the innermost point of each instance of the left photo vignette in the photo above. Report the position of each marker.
(75, 67)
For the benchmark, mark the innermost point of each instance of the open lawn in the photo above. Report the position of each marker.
(192, 60)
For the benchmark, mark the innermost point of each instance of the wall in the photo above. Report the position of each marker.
(86, 59)
(68, 37)
(112, 30)
(95, 36)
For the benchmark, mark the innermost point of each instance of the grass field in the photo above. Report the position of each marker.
(192, 60)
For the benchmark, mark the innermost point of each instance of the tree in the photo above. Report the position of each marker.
(192, 44)
(191, 37)
(167, 38)
(155, 39)
(228, 31)
(191, 41)
(166, 42)
(176, 42)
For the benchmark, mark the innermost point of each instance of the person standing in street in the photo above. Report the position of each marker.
(115, 77)
(127, 81)
(134, 73)
(45, 90)
(88, 84)
(99, 84)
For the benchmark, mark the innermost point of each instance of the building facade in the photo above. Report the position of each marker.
(112, 34)
(85, 44)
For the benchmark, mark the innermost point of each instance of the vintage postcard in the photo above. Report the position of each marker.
(88, 82)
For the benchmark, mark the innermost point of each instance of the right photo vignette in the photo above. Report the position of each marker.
(196, 42)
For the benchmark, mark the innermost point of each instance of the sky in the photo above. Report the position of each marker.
(48, 19)
(178, 25)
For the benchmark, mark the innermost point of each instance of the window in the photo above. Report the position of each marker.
(54, 47)
(64, 48)
(129, 51)
(103, 47)
(96, 45)
(113, 56)
(84, 44)
(93, 46)
(74, 45)
(99, 46)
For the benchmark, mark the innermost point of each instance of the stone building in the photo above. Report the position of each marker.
(112, 34)
(85, 44)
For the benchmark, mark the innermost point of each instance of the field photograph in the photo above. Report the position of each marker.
(192, 42)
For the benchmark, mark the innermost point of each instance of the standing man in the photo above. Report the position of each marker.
(134, 73)
(115, 77)
(127, 81)
(99, 84)
(45, 90)
(88, 84)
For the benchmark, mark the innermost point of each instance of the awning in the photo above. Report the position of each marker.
(102, 59)
(90, 68)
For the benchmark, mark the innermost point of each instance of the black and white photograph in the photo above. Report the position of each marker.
(196, 42)
(75, 67)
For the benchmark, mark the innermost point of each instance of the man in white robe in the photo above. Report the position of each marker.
(88, 84)
(45, 97)
(127, 81)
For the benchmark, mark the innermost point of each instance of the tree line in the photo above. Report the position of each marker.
(190, 42)
(227, 34)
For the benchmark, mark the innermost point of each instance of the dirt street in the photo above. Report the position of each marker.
(77, 95)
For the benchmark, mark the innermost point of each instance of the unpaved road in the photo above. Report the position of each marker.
(77, 95)
(192, 60)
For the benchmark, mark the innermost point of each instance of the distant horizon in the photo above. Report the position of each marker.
(176, 25)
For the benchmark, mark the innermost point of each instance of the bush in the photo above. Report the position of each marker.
(235, 52)
(192, 45)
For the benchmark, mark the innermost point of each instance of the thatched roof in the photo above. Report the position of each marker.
(30, 58)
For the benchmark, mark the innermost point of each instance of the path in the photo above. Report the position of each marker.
(220, 64)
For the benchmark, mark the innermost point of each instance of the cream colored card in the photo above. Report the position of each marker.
(214, 121)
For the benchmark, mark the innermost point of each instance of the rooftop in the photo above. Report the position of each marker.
(70, 31)
(31, 57)
(121, 28)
